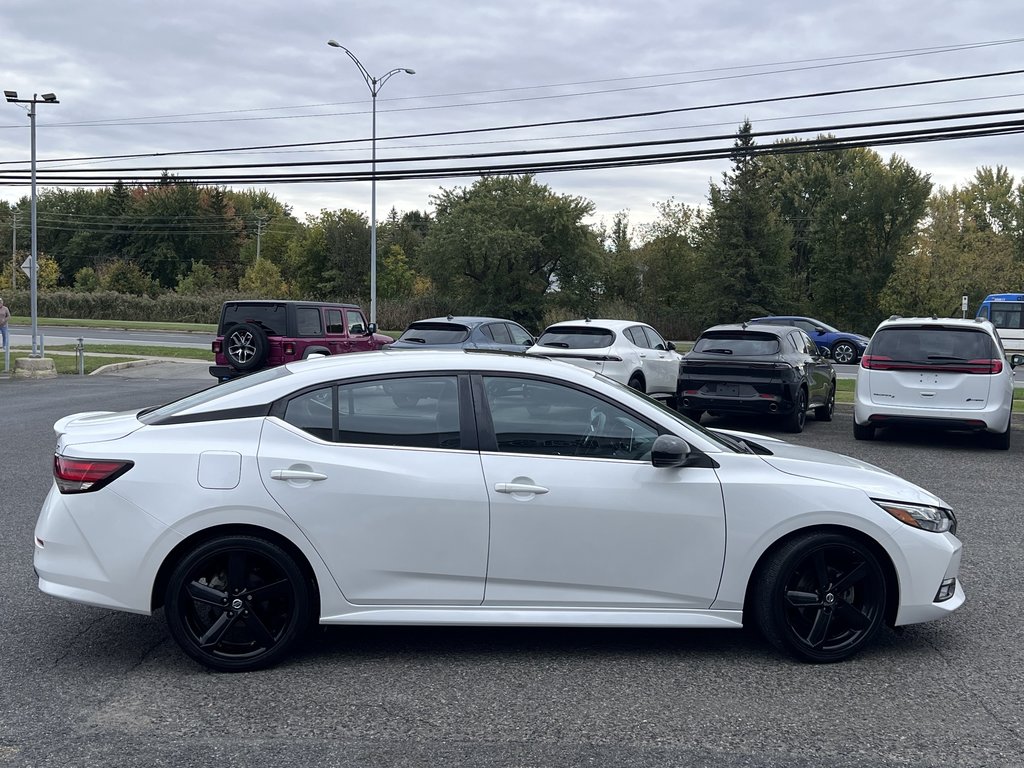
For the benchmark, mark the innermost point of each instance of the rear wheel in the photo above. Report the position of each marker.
(1000, 440)
(636, 382)
(693, 414)
(821, 597)
(237, 603)
(824, 412)
(863, 431)
(795, 421)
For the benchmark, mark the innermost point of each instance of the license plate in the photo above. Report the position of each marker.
(727, 390)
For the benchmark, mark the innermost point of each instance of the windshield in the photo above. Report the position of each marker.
(158, 413)
(738, 343)
(576, 338)
(435, 333)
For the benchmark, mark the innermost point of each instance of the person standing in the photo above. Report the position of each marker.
(5, 316)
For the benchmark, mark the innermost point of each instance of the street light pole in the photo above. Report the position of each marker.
(47, 98)
(374, 84)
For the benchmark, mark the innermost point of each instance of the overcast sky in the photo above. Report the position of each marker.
(144, 77)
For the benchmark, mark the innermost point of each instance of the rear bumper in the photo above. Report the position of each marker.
(994, 417)
(224, 372)
(775, 404)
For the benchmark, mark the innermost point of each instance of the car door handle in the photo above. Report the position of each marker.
(519, 488)
(296, 474)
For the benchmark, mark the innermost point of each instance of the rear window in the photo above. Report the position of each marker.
(583, 337)
(435, 333)
(270, 317)
(738, 343)
(932, 345)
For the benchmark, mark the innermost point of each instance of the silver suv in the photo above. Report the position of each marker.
(939, 372)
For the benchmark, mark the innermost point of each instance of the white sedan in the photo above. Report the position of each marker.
(517, 491)
(629, 352)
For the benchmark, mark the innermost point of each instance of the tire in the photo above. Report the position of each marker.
(237, 603)
(637, 383)
(1000, 440)
(821, 597)
(795, 421)
(844, 353)
(824, 412)
(245, 346)
(693, 414)
(863, 431)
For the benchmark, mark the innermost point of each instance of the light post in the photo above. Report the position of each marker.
(374, 84)
(47, 98)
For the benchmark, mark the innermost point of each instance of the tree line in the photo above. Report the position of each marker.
(846, 236)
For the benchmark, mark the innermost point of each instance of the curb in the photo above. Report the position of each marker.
(111, 367)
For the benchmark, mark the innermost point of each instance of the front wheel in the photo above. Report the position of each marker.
(237, 603)
(821, 597)
(844, 353)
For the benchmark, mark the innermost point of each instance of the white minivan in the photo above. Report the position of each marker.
(940, 372)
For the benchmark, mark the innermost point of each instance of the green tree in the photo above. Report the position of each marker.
(86, 280)
(263, 279)
(330, 257)
(199, 279)
(395, 279)
(125, 277)
(744, 253)
(502, 245)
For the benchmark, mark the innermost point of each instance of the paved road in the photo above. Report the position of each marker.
(86, 687)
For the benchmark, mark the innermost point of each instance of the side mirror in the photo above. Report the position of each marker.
(371, 329)
(671, 346)
(669, 451)
(1016, 360)
(819, 330)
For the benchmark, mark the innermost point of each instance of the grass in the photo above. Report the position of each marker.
(136, 350)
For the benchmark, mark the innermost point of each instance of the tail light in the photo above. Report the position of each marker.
(215, 346)
(982, 366)
(992, 367)
(83, 475)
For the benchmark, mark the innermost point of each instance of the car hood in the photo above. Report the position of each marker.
(96, 426)
(836, 468)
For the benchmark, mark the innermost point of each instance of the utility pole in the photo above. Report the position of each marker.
(261, 219)
(14, 249)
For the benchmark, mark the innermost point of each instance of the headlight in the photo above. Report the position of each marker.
(935, 519)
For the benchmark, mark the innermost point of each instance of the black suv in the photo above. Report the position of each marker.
(259, 334)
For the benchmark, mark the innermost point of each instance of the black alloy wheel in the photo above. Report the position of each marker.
(824, 412)
(246, 346)
(821, 597)
(795, 421)
(844, 353)
(237, 603)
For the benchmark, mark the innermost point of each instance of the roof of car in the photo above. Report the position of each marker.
(778, 330)
(946, 322)
(293, 302)
(463, 320)
(613, 325)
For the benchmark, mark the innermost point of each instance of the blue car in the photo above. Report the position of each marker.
(480, 333)
(844, 348)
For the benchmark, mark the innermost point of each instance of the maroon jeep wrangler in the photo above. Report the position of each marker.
(260, 334)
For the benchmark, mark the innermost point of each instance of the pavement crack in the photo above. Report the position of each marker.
(80, 634)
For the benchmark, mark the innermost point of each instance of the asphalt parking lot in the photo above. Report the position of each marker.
(81, 686)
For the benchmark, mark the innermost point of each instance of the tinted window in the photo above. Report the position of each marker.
(636, 335)
(539, 417)
(654, 339)
(498, 332)
(582, 337)
(738, 343)
(270, 317)
(932, 345)
(519, 335)
(335, 323)
(1007, 315)
(156, 415)
(435, 333)
(420, 412)
(308, 321)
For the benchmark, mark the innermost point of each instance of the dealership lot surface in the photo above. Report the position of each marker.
(83, 686)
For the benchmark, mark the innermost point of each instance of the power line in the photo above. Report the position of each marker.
(572, 121)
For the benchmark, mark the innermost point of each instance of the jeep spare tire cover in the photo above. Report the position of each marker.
(245, 346)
